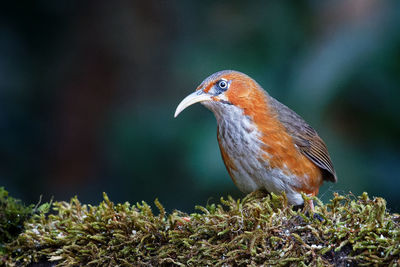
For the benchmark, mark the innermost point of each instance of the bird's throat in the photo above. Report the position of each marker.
(240, 145)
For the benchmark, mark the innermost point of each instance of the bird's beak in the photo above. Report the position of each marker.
(198, 96)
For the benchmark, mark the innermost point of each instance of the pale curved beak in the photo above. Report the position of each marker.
(198, 96)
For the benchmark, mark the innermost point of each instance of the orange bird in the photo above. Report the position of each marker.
(264, 144)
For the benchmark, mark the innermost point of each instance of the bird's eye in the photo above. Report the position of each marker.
(223, 85)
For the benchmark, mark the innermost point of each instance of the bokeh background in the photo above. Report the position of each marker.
(88, 90)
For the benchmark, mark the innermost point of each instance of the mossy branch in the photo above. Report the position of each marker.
(259, 229)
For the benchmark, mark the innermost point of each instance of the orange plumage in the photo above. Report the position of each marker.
(263, 143)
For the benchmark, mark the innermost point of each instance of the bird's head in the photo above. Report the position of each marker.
(224, 89)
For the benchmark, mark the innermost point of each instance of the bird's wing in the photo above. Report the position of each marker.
(306, 139)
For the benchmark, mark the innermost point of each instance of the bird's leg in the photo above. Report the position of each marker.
(315, 215)
(184, 220)
(311, 204)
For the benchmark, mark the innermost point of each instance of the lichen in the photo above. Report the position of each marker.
(259, 229)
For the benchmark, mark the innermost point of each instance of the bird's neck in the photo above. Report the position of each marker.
(251, 112)
(239, 131)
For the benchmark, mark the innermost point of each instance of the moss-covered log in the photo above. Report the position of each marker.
(259, 229)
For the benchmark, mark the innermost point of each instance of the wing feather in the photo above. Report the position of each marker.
(306, 139)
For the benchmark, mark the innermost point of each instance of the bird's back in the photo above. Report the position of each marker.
(305, 138)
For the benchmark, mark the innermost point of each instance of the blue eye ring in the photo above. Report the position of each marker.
(223, 85)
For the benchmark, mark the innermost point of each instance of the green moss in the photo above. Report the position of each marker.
(256, 230)
(13, 214)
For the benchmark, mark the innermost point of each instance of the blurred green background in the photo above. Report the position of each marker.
(88, 90)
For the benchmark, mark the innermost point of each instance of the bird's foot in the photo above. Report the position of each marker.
(308, 208)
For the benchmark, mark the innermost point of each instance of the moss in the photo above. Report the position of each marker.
(258, 229)
(13, 214)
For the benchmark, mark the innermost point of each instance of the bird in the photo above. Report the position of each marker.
(264, 144)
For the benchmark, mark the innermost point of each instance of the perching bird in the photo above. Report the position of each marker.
(263, 143)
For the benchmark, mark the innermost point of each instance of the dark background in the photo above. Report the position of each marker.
(88, 90)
